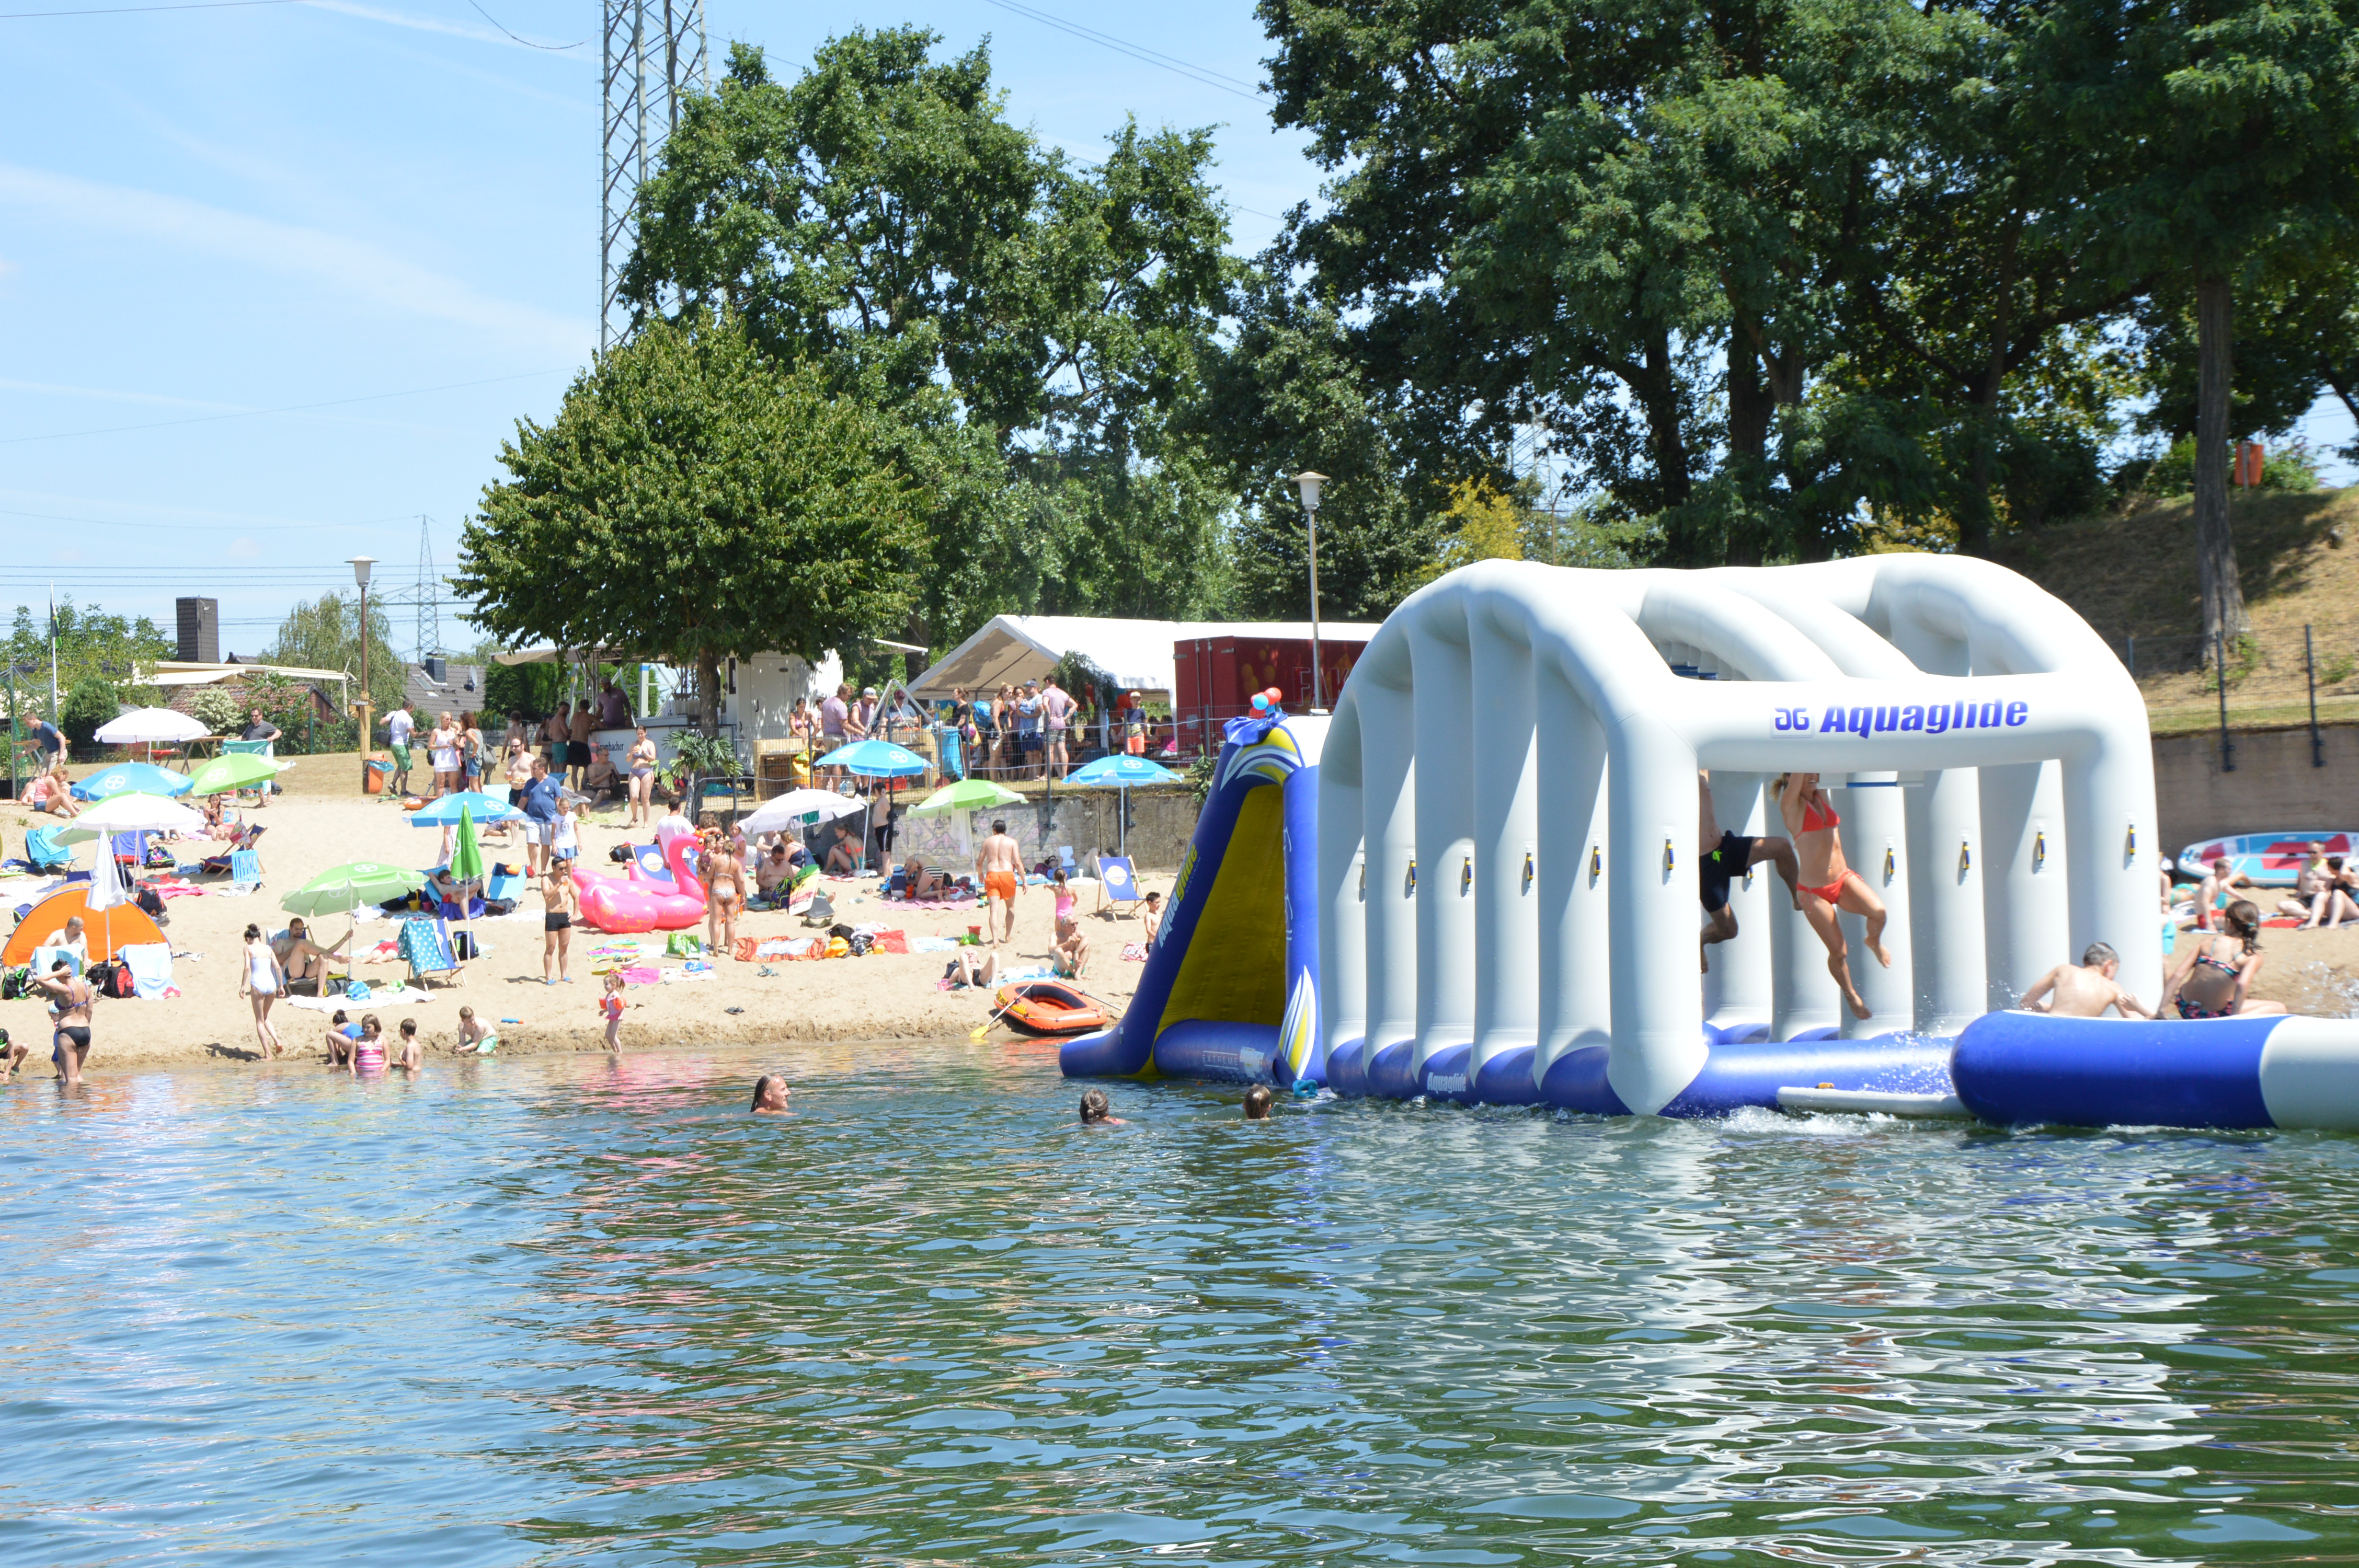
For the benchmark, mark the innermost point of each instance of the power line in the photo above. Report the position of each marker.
(1203, 76)
(553, 48)
(291, 408)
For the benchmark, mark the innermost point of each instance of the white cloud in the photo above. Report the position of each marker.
(332, 264)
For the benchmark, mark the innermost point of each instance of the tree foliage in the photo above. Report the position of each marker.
(693, 500)
(1031, 323)
(326, 635)
(89, 641)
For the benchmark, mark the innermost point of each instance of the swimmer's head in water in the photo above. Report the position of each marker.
(770, 1092)
(1257, 1103)
(1094, 1106)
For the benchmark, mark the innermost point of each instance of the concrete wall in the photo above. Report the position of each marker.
(2274, 789)
(1160, 826)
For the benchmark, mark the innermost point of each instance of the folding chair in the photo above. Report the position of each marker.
(240, 838)
(425, 948)
(1117, 881)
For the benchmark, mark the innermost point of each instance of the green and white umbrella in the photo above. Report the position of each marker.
(466, 859)
(967, 794)
(342, 890)
(237, 769)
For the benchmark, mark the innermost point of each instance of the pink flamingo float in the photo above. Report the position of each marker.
(661, 893)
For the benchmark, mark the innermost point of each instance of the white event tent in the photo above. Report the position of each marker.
(1136, 654)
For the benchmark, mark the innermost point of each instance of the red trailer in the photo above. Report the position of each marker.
(1214, 679)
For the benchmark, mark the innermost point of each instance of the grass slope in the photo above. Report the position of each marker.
(2132, 578)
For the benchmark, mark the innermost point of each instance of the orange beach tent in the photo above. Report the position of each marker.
(123, 925)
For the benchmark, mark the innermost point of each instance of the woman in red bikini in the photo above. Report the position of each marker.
(1828, 883)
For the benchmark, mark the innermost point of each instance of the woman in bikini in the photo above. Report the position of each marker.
(2214, 979)
(724, 893)
(69, 996)
(1828, 884)
(642, 761)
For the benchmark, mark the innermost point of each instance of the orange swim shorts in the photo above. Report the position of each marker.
(1000, 885)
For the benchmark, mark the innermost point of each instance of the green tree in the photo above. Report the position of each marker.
(89, 643)
(89, 702)
(692, 501)
(325, 635)
(2231, 128)
(1029, 322)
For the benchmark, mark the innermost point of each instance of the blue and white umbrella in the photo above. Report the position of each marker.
(126, 778)
(446, 812)
(1119, 772)
(876, 760)
(1126, 774)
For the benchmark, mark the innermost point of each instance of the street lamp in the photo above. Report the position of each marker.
(1307, 483)
(361, 564)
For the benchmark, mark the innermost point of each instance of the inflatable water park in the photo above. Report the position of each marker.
(1476, 878)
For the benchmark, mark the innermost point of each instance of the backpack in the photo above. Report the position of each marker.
(14, 980)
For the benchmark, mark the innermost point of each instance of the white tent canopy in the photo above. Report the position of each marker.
(1137, 654)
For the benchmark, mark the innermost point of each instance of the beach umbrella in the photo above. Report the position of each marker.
(344, 889)
(237, 769)
(876, 760)
(967, 794)
(1125, 774)
(143, 777)
(134, 812)
(788, 810)
(471, 804)
(150, 727)
(466, 861)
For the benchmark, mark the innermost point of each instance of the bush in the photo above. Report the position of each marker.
(218, 711)
(2290, 466)
(89, 703)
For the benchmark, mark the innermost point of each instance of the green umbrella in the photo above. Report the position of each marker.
(344, 888)
(466, 859)
(967, 794)
(238, 770)
(349, 887)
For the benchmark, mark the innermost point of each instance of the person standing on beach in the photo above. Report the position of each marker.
(1056, 714)
(70, 998)
(263, 980)
(560, 901)
(724, 894)
(539, 808)
(999, 864)
(833, 715)
(398, 728)
(577, 754)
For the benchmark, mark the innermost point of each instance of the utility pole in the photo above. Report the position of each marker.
(1307, 483)
(361, 564)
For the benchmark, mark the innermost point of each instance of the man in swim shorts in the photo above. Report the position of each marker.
(302, 959)
(1721, 860)
(999, 866)
(2085, 989)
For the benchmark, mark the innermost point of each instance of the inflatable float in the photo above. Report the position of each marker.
(1050, 1008)
(661, 891)
(2266, 860)
(1477, 879)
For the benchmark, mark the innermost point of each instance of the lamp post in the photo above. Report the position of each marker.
(361, 564)
(1307, 483)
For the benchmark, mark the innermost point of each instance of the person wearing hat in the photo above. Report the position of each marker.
(1134, 725)
(863, 721)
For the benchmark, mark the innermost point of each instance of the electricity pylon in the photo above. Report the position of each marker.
(654, 59)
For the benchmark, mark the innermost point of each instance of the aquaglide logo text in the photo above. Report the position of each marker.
(1932, 718)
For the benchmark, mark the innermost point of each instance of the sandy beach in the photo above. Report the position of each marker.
(324, 821)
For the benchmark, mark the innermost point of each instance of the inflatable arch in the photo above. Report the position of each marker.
(1507, 825)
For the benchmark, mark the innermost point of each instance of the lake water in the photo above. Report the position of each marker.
(557, 1309)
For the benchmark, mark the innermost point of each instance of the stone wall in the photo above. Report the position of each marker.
(2275, 787)
(1160, 826)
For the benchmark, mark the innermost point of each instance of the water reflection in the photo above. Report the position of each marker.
(560, 1309)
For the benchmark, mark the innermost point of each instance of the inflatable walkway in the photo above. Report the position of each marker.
(1231, 990)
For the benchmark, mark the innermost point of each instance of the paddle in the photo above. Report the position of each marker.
(979, 1030)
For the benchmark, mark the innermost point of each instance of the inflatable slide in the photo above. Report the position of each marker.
(1231, 989)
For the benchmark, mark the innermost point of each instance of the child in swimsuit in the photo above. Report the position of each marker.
(610, 1007)
(2220, 970)
(368, 1046)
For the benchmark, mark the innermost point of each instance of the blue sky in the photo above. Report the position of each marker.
(383, 218)
(208, 213)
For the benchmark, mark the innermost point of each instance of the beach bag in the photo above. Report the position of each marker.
(356, 990)
(859, 942)
(14, 980)
(683, 945)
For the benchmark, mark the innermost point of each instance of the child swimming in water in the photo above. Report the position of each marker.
(1097, 1110)
(413, 1056)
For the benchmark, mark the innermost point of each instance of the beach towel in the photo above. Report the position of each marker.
(1134, 951)
(151, 969)
(932, 944)
(245, 870)
(642, 975)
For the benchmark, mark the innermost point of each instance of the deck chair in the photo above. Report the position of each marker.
(45, 853)
(425, 948)
(821, 911)
(1117, 881)
(1065, 860)
(242, 838)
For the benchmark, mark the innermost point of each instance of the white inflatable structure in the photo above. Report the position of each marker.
(1507, 830)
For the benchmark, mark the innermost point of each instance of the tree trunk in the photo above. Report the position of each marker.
(1750, 406)
(1658, 389)
(2215, 546)
(708, 694)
